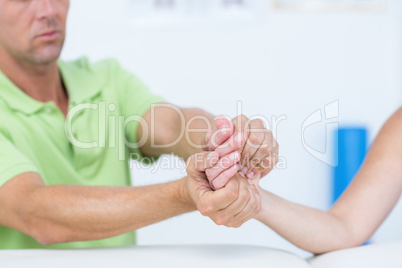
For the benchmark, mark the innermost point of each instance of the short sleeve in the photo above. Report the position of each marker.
(12, 161)
(136, 100)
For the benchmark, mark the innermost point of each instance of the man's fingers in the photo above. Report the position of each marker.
(224, 163)
(235, 143)
(218, 138)
(240, 124)
(222, 121)
(222, 179)
(202, 161)
(253, 204)
(243, 199)
(224, 131)
(245, 205)
(215, 201)
(204, 143)
(214, 139)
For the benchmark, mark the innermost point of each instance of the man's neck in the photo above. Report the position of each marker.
(42, 82)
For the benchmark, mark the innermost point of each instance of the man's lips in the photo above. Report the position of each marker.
(49, 35)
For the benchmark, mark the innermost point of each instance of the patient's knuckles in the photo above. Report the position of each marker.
(266, 163)
(257, 122)
(255, 139)
(243, 119)
(265, 149)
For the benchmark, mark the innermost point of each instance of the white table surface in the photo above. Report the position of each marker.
(387, 255)
(205, 256)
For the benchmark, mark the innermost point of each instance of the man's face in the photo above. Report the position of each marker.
(33, 30)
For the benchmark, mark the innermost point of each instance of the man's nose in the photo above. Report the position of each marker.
(46, 8)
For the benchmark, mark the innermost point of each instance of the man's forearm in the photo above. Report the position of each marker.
(171, 129)
(198, 122)
(67, 213)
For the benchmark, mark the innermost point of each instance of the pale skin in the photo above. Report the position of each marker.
(31, 40)
(359, 211)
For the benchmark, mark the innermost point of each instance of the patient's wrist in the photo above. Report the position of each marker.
(264, 211)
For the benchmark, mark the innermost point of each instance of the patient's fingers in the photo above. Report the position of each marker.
(263, 167)
(264, 158)
(256, 147)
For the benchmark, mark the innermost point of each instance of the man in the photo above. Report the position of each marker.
(68, 129)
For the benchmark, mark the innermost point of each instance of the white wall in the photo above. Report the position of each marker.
(290, 64)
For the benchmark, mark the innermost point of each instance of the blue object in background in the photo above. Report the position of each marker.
(352, 144)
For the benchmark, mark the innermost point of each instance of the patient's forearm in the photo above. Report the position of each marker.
(310, 229)
(67, 213)
(360, 210)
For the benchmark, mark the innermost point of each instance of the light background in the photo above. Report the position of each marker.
(288, 63)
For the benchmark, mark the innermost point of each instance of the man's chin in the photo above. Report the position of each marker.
(47, 55)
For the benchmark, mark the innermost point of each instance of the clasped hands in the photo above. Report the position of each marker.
(223, 181)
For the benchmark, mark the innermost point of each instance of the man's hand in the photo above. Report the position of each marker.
(232, 205)
(259, 154)
(229, 155)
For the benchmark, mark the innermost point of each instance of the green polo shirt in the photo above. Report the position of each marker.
(91, 147)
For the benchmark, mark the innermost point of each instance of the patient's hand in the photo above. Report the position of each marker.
(233, 205)
(258, 154)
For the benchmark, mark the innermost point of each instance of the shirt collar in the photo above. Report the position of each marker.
(15, 98)
(81, 82)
